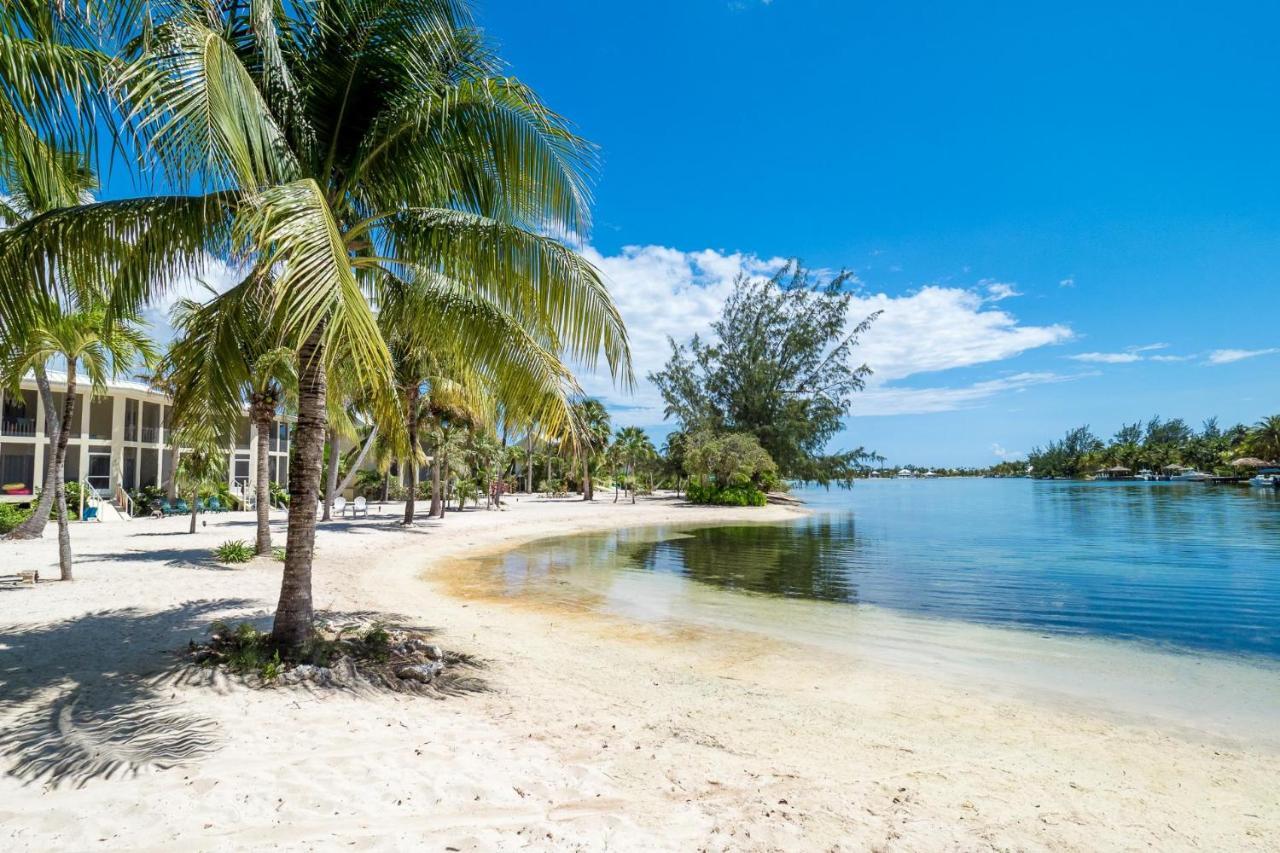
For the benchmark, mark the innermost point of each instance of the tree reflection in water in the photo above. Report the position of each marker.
(807, 559)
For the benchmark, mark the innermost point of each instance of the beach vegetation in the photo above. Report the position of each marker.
(12, 515)
(1157, 445)
(233, 551)
(779, 366)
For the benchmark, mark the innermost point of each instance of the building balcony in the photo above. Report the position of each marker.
(151, 435)
(19, 427)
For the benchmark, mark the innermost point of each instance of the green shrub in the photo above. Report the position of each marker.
(279, 495)
(147, 499)
(11, 515)
(728, 496)
(278, 554)
(233, 551)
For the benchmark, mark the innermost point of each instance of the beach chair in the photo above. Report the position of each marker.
(166, 508)
(359, 507)
(181, 507)
(339, 506)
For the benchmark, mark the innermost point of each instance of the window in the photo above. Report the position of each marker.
(130, 420)
(19, 413)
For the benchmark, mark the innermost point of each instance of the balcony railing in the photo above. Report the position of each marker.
(151, 435)
(18, 426)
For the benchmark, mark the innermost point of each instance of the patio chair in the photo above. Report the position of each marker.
(359, 507)
(339, 506)
(181, 507)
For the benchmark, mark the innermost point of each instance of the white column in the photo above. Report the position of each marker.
(42, 441)
(84, 435)
(117, 442)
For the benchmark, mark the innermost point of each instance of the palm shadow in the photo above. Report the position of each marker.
(84, 698)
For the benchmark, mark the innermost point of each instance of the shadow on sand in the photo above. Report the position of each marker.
(85, 698)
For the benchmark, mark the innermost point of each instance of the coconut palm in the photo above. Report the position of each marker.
(348, 146)
(1264, 439)
(592, 421)
(633, 447)
(88, 337)
(202, 463)
(227, 357)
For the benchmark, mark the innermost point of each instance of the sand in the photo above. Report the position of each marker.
(595, 732)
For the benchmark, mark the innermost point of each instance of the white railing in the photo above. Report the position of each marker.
(89, 497)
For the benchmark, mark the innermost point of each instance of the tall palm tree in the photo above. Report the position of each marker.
(229, 356)
(202, 463)
(348, 146)
(1264, 439)
(593, 436)
(105, 345)
(634, 446)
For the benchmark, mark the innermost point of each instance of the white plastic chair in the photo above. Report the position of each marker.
(340, 506)
(359, 507)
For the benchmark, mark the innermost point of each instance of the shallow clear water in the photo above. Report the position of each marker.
(1182, 566)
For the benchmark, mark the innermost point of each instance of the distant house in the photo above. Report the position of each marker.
(120, 440)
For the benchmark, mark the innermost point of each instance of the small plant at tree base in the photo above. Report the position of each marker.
(278, 554)
(233, 551)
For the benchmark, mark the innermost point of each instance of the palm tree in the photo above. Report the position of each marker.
(1264, 439)
(202, 464)
(228, 356)
(634, 446)
(350, 146)
(593, 436)
(89, 337)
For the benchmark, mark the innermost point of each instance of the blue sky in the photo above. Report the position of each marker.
(1068, 211)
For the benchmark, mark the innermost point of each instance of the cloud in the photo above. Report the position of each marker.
(923, 401)
(1069, 281)
(1106, 357)
(997, 290)
(998, 450)
(1228, 356)
(663, 291)
(1128, 356)
(215, 273)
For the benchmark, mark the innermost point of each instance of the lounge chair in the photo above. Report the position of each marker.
(339, 506)
(359, 507)
(181, 507)
(214, 504)
(166, 508)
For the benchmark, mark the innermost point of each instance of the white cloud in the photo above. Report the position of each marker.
(215, 273)
(997, 290)
(922, 401)
(1228, 356)
(1130, 355)
(662, 291)
(1106, 357)
(998, 450)
(1069, 281)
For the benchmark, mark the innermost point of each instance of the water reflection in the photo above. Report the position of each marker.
(1184, 566)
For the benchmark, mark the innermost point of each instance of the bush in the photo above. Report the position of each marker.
(147, 499)
(11, 515)
(728, 496)
(244, 649)
(278, 554)
(233, 551)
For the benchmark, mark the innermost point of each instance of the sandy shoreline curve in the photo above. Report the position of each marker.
(595, 733)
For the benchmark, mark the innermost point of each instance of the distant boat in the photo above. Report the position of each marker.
(1147, 474)
(1266, 477)
(1189, 475)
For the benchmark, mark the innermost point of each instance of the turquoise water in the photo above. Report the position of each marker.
(1180, 566)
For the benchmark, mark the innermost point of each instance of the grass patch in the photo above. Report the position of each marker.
(278, 554)
(233, 551)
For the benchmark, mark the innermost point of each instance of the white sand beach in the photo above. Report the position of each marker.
(595, 732)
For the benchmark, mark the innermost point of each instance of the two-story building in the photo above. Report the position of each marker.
(119, 441)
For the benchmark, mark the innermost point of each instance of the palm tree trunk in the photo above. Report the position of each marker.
(294, 613)
(331, 477)
(355, 466)
(195, 507)
(171, 481)
(262, 488)
(411, 425)
(528, 462)
(33, 526)
(437, 507)
(60, 491)
(631, 480)
(586, 479)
